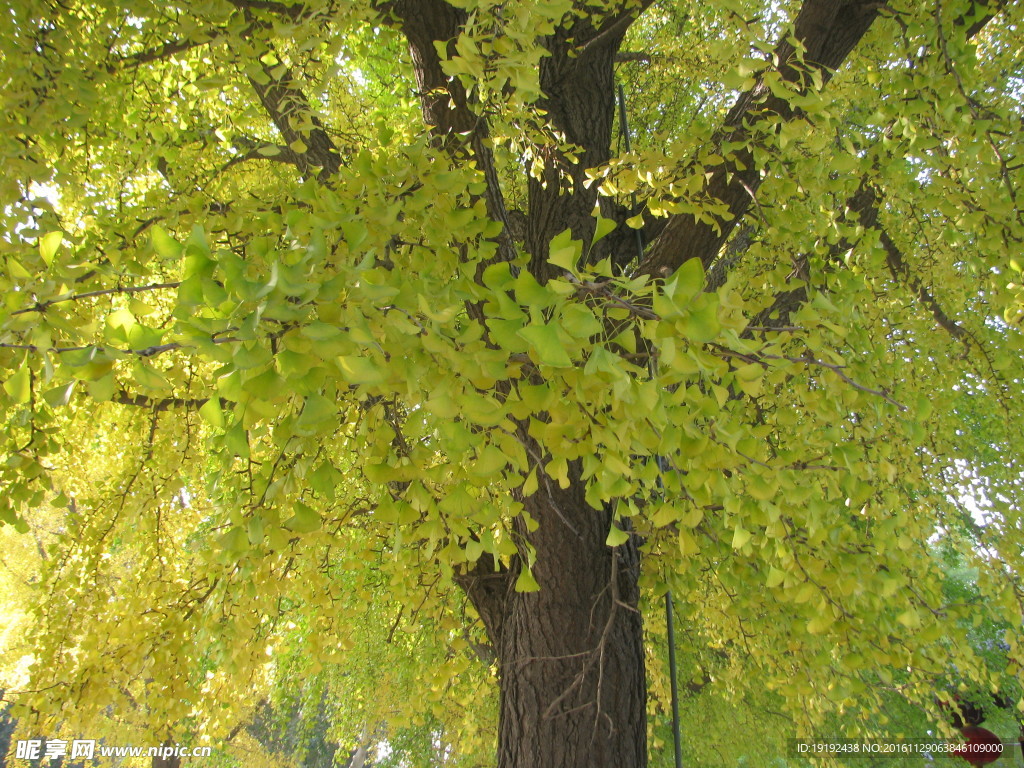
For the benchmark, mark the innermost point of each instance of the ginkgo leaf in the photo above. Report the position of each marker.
(18, 385)
(360, 370)
(616, 536)
(163, 244)
(544, 340)
(526, 582)
(305, 519)
(48, 245)
(740, 537)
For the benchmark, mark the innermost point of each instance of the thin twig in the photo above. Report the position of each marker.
(42, 306)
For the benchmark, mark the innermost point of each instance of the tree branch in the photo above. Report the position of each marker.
(288, 107)
(165, 51)
(613, 30)
(865, 204)
(282, 9)
(252, 149)
(828, 30)
(487, 585)
(42, 306)
(162, 403)
(444, 101)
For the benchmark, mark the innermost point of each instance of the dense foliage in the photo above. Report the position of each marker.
(356, 342)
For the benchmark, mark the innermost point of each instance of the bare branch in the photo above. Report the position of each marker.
(153, 351)
(252, 149)
(613, 29)
(42, 306)
(165, 51)
(282, 9)
(626, 56)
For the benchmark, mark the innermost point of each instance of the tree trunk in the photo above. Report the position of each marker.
(172, 761)
(570, 655)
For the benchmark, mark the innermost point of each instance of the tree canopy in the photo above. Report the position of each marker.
(383, 337)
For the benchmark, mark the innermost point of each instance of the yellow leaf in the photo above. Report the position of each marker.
(616, 536)
(820, 623)
(687, 544)
(526, 582)
(909, 618)
(48, 245)
(18, 386)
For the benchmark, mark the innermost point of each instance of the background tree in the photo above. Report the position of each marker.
(297, 290)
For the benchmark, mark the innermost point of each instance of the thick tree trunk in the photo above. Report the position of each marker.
(573, 690)
(166, 762)
(570, 656)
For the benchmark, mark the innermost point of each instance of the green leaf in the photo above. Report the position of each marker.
(544, 341)
(604, 227)
(59, 396)
(580, 322)
(324, 479)
(820, 623)
(305, 519)
(565, 252)
(701, 325)
(103, 388)
(616, 536)
(211, 411)
(910, 618)
(498, 276)
(19, 385)
(48, 245)
(236, 440)
(318, 411)
(526, 582)
(360, 370)
(320, 331)
(740, 537)
(235, 540)
(687, 544)
(164, 244)
(685, 283)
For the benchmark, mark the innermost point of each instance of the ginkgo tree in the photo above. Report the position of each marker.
(300, 292)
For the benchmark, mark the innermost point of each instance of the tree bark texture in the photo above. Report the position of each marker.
(573, 686)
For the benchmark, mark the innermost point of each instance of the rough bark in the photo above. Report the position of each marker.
(580, 105)
(829, 30)
(445, 104)
(287, 106)
(573, 684)
(166, 762)
(570, 656)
